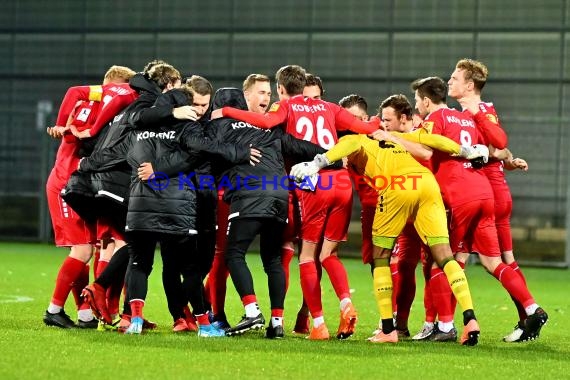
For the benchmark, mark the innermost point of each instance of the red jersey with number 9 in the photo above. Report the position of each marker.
(459, 182)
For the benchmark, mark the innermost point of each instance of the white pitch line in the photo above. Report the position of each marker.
(14, 299)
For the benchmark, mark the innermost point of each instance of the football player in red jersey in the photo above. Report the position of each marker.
(357, 105)
(325, 213)
(465, 85)
(469, 197)
(313, 87)
(114, 97)
(82, 107)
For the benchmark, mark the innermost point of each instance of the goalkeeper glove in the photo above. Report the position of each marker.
(475, 151)
(307, 169)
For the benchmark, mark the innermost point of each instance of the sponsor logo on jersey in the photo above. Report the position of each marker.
(83, 114)
(428, 126)
(385, 145)
(492, 118)
(274, 107)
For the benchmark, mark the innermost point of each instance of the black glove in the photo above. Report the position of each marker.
(477, 163)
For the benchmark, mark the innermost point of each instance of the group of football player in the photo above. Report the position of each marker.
(135, 167)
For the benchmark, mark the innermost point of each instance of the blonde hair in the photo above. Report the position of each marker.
(252, 79)
(475, 71)
(118, 74)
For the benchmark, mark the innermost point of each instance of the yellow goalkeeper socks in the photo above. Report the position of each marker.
(459, 285)
(383, 290)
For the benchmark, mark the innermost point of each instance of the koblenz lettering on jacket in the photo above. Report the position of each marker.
(160, 135)
(243, 124)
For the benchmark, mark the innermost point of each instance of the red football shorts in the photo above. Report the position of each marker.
(408, 245)
(326, 211)
(106, 231)
(290, 233)
(472, 228)
(368, 201)
(69, 229)
(503, 210)
(222, 213)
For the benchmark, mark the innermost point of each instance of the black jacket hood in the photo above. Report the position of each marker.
(229, 97)
(140, 83)
(174, 98)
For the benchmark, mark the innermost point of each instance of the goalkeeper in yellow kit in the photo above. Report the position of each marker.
(406, 189)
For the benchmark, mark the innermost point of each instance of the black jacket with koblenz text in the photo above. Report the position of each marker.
(168, 204)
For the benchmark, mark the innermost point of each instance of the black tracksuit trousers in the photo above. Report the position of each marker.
(241, 232)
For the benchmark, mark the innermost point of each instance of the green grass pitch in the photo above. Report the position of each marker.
(30, 350)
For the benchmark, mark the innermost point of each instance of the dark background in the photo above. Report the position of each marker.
(373, 48)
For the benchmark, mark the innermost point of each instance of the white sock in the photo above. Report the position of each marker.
(276, 321)
(531, 309)
(445, 326)
(344, 302)
(85, 315)
(53, 308)
(428, 324)
(318, 321)
(252, 310)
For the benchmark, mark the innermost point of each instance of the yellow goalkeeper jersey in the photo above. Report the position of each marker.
(382, 160)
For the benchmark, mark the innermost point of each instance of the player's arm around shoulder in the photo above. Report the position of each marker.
(345, 146)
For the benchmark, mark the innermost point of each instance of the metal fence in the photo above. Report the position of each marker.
(26, 158)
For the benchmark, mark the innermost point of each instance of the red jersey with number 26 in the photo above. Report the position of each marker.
(309, 119)
(459, 182)
(313, 120)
